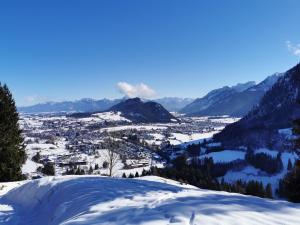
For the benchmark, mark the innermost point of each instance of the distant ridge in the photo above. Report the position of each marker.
(83, 105)
(234, 101)
(172, 104)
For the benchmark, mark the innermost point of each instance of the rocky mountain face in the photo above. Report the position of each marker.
(277, 110)
(234, 101)
(146, 112)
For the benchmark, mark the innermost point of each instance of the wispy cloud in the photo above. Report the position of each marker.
(139, 90)
(294, 48)
(34, 99)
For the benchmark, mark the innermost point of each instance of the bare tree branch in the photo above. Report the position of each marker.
(111, 157)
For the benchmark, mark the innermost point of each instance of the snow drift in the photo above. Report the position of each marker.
(149, 200)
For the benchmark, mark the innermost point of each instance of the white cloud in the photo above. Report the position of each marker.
(34, 99)
(295, 49)
(140, 90)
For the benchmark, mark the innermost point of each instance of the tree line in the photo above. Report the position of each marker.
(202, 175)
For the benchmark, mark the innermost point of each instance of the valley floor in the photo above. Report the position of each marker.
(148, 200)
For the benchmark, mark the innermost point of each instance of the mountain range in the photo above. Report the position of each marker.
(172, 104)
(234, 101)
(83, 105)
(277, 110)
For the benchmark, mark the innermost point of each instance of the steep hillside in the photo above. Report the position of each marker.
(233, 101)
(149, 200)
(277, 110)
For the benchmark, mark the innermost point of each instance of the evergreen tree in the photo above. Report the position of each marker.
(136, 174)
(12, 149)
(296, 130)
(49, 169)
(291, 184)
(144, 173)
(79, 171)
(124, 175)
(91, 170)
(290, 165)
(255, 188)
(269, 193)
(37, 157)
(105, 165)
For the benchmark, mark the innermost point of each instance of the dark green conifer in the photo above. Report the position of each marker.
(12, 149)
(269, 193)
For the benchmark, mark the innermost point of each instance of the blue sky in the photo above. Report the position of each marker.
(58, 50)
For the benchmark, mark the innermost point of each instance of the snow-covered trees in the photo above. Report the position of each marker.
(265, 162)
(296, 131)
(12, 150)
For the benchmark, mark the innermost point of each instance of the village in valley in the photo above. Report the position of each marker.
(83, 145)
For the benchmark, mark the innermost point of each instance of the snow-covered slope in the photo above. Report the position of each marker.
(149, 200)
(247, 172)
(276, 111)
(110, 116)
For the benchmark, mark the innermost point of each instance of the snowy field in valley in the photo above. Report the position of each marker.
(225, 156)
(250, 173)
(65, 140)
(148, 200)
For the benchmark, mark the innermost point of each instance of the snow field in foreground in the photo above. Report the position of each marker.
(147, 200)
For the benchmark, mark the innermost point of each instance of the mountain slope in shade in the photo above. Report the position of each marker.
(146, 112)
(277, 110)
(83, 105)
(149, 200)
(213, 97)
(233, 101)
